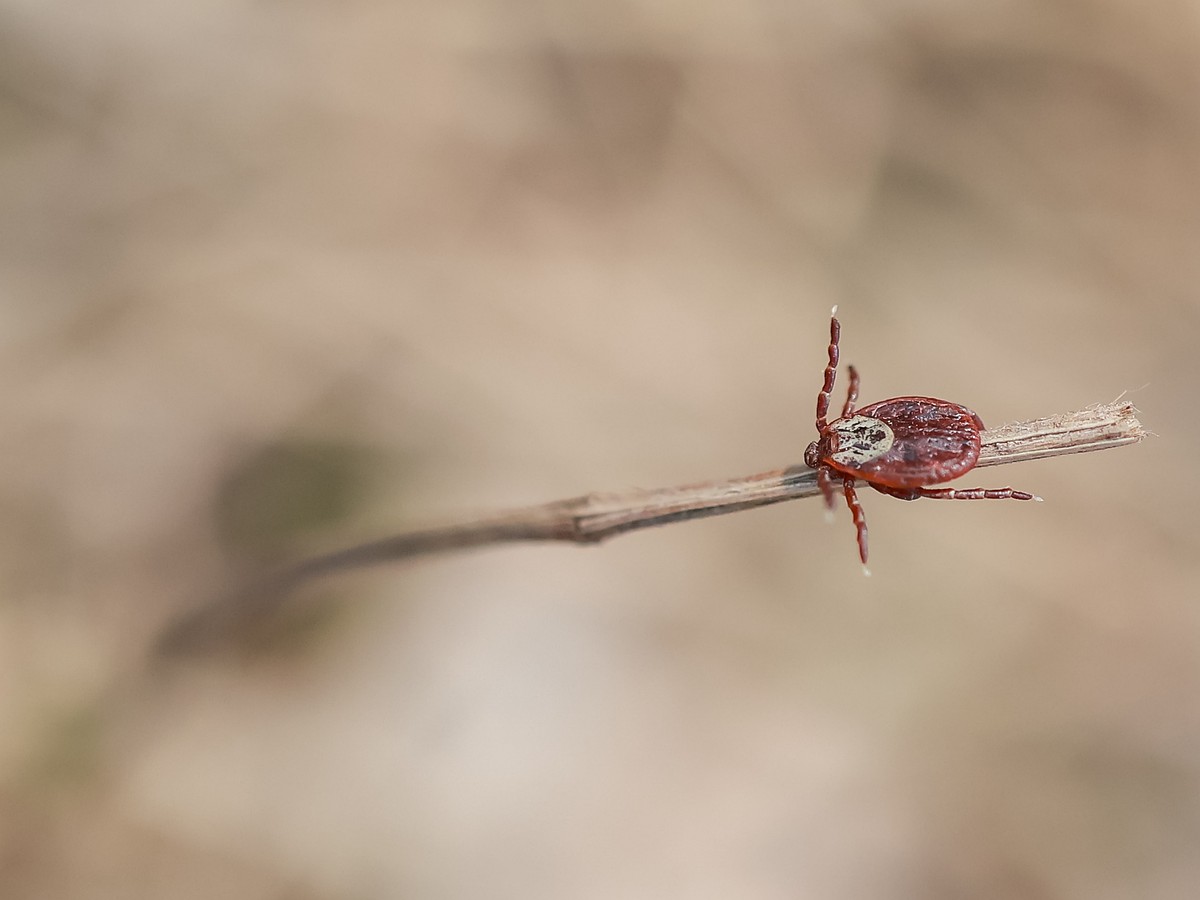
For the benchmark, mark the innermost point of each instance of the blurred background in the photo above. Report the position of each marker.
(279, 277)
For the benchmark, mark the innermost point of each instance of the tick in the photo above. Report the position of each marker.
(898, 446)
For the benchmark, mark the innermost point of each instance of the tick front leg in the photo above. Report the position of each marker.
(835, 333)
(825, 483)
(851, 394)
(860, 519)
(1005, 493)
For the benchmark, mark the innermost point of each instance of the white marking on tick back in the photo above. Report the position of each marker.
(860, 439)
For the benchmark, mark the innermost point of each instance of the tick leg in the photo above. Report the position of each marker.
(835, 333)
(1005, 493)
(860, 519)
(851, 394)
(825, 483)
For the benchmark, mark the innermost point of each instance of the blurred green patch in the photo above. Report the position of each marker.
(288, 491)
(69, 753)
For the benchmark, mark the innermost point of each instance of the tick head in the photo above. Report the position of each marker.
(812, 455)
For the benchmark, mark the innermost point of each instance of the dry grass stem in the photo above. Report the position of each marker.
(595, 517)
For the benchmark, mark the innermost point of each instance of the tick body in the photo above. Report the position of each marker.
(899, 447)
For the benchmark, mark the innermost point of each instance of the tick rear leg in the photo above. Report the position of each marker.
(860, 519)
(1005, 493)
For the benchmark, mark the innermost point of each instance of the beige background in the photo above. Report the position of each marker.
(276, 277)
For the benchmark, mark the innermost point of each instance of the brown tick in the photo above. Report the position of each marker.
(897, 446)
